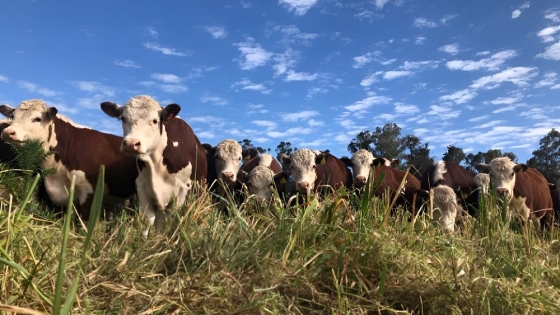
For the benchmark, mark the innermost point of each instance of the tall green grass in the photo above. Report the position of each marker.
(268, 261)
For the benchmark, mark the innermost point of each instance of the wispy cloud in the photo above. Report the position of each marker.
(94, 87)
(447, 18)
(291, 75)
(213, 99)
(217, 31)
(491, 63)
(380, 3)
(166, 78)
(295, 117)
(551, 52)
(252, 54)
(422, 22)
(452, 49)
(164, 50)
(419, 40)
(459, 97)
(519, 76)
(547, 33)
(548, 79)
(127, 64)
(391, 75)
(4, 79)
(152, 32)
(169, 83)
(32, 87)
(246, 84)
(517, 12)
(285, 61)
(300, 7)
(367, 102)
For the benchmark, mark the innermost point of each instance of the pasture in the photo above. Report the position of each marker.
(269, 261)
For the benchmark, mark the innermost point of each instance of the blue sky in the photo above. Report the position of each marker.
(476, 74)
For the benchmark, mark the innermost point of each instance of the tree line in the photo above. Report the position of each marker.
(409, 150)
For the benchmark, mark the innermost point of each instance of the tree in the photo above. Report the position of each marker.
(246, 143)
(418, 155)
(546, 159)
(284, 147)
(454, 154)
(472, 160)
(362, 141)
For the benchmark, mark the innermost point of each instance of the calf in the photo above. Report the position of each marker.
(168, 154)
(78, 151)
(457, 178)
(262, 175)
(311, 169)
(526, 190)
(482, 180)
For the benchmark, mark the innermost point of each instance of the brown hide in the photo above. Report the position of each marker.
(457, 178)
(410, 187)
(532, 185)
(333, 172)
(85, 150)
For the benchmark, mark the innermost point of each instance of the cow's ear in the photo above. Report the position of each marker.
(347, 161)
(242, 176)
(7, 110)
(284, 159)
(281, 178)
(112, 109)
(378, 161)
(321, 159)
(170, 111)
(51, 112)
(208, 148)
(483, 168)
(395, 163)
(520, 168)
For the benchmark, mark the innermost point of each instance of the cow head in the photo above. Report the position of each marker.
(502, 172)
(361, 163)
(249, 154)
(142, 121)
(482, 180)
(261, 182)
(228, 158)
(446, 207)
(32, 119)
(302, 167)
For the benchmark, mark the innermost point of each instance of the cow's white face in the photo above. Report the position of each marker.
(482, 180)
(502, 172)
(361, 166)
(228, 159)
(261, 183)
(446, 207)
(143, 130)
(32, 119)
(302, 167)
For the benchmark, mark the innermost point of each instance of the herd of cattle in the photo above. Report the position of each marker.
(159, 159)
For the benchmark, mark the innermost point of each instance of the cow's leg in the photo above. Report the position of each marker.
(146, 208)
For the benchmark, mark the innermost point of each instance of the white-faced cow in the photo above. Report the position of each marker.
(526, 190)
(78, 151)
(311, 169)
(363, 162)
(169, 155)
(482, 180)
(262, 175)
(446, 208)
(457, 178)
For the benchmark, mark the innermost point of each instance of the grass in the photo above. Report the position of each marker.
(270, 262)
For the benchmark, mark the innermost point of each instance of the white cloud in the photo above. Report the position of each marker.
(32, 87)
(460, 97)
(364, 59)
(547, 33)
(299, 6)
(127, 64)
(452, 49)
(4, 79)
(252, 54)
(166, 78)
(402, 108)
(285, 61)
(549, 79)
(291, 75)
(213, 99)
(173, 88)
(370, 79)
(517, 75)
(552, 14)
(246, 4)
(315, 123)
(164, 50)
(314, 91)
(479, 118)
(380, 3)
(506, 100)
(367, 102)
(420, 65)
(93, 87)
(419, 40)
(246, 84)
(490, 124)
(491, 63)
(517, 12)
(391, 75)
(270, 125)
(422, 22)
(217, 31)
(447, 17)
(294, 117)
(552, 52)
(152, 32)
(443, 112)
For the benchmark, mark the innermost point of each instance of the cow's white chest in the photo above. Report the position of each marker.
(58, 185)
(163, 188)
(518, 207)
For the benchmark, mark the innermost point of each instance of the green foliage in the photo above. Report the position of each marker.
(246, 143)
(547, 158)
(472, 160)
(454, 154)
(285, 148)
(29, 157)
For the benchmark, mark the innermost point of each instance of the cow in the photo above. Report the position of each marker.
(77, 151)
(262, 175)
(526, 190)
(555, 194)
(482, 180)
(249, 154)
(457, 178)
(446, 207)
(363, 162)
(224, 161)
(168, 154)
(311, 169)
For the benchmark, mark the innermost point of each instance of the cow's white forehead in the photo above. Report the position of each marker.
(444, 194)
(228, 147)
(266, 160)
(362, 157)
(142, 105)
(261, 174)
(303, 158)
(501, 165)
(28, 107)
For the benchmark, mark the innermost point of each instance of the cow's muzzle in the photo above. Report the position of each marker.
(131, 146)
(360, 181)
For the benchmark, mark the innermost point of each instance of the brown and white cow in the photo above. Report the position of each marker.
(168, 154)
(457, 178)
(526, 190)
(78, 151)
(482, 180)
(447, 210)
(311, 169)
(262, 175)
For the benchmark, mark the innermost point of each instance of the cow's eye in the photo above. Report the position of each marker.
(37, 119)
(122, 119)
(154, 121)
(512, 174)
(314, 166)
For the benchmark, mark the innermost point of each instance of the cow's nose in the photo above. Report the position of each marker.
(303, 185)
(228, 175)
(132, 144)
(501, 191)
(360, 180)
